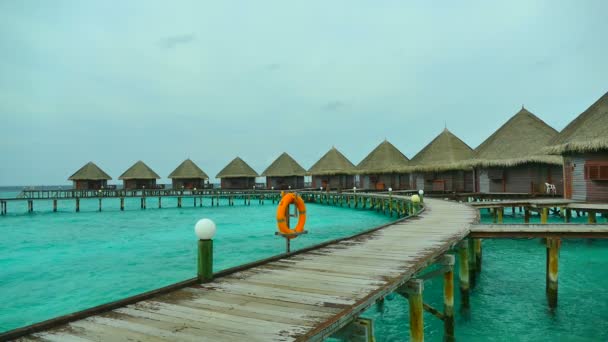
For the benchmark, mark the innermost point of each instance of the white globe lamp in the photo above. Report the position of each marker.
(205, 229)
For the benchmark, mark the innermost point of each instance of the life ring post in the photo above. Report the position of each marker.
(288, 238)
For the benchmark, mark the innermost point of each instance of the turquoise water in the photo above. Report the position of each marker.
(57, 263)
(509, 302)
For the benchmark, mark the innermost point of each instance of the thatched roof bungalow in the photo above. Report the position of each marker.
(442, 165)
(333, 171)
(284, 173)
(512, 158)
(139, 176)
(188, 176)
(584, 147)
(90, 177)
(237, 175)
(385, 167)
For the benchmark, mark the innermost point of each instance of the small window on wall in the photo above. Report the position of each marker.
(596, 171)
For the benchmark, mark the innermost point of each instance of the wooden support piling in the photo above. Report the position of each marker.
(54, 205)
(463, 261)
(100, 204)
(448, 299)
(122, 204)
(500, 214)
(179, 202)
(414, 292)
(200, 202)
(553, 245)
(544, 215)
(472, 264)
(591, 217)
(160, 203)
(77, 204)
(568, 215)
(527, 215)
(478, 255)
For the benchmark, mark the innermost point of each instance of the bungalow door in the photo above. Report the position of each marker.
(568, 168)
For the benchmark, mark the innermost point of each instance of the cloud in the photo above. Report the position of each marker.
(173, 41)
(334, 105)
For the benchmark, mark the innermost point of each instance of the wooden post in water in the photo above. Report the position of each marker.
(54, 205)
(472, 264)
(568, 215)
(200, 201)
(143, 202)
(77, 204)
(591, 219)
(553, 245)
(414, 291)
(544, 215)
(179, 202)
(500, 213)
(100, 204)
(122, 204)
(527, 215)
(478, 254)
(448, 299)
(463, 261)
(160, 203)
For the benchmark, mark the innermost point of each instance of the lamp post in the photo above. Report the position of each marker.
(421, 194)
(416, 203)
(205, 230)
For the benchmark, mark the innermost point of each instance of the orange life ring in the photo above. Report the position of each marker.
(282, 213)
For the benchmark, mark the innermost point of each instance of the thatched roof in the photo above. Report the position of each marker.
(445, 152)
(519, 141)
(139, 170)
(188, 170)
(90, 171)
(587, 133)
(284, 166)
(236, 169)
(332, 163)
(385, 158)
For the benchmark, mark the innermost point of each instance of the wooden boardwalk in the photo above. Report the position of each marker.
(307, 296)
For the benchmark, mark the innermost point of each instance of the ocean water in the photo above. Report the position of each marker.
(57, 263)
(509, 302)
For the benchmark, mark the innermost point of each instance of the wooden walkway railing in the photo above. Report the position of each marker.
(306, 296)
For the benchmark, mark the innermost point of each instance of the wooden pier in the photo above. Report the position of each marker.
(305, 295)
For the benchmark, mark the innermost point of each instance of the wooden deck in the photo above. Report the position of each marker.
(562, 230)
(308, 296)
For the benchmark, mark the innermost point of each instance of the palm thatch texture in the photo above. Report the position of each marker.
(445, 152)
(237, 168)
(520, 140)
(188, 170)
(332, 163)
(385, 158)
(139, 170)
(587, 133)
(90, 171)
(284, 166)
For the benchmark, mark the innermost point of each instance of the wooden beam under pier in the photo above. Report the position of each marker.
(562, 230)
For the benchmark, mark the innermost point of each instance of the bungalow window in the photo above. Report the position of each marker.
(596, 170)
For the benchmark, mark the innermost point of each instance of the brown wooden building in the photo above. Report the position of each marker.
(139, 176)
(441, 166)
(584, 147)
(512, 159)
(284, 173)
(333, 171)
(90, 177)
(188, 176)
(385, 167)
(237, 175)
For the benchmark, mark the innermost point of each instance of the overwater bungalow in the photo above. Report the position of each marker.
(512, 159)
(441, 165)
(90, 177)
(333, 171)
(188, 176)
(237, 175)
(284, 173)
(584, 147)
(385, 167)
(139, 176)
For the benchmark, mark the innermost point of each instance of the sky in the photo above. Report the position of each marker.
(160, 81)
